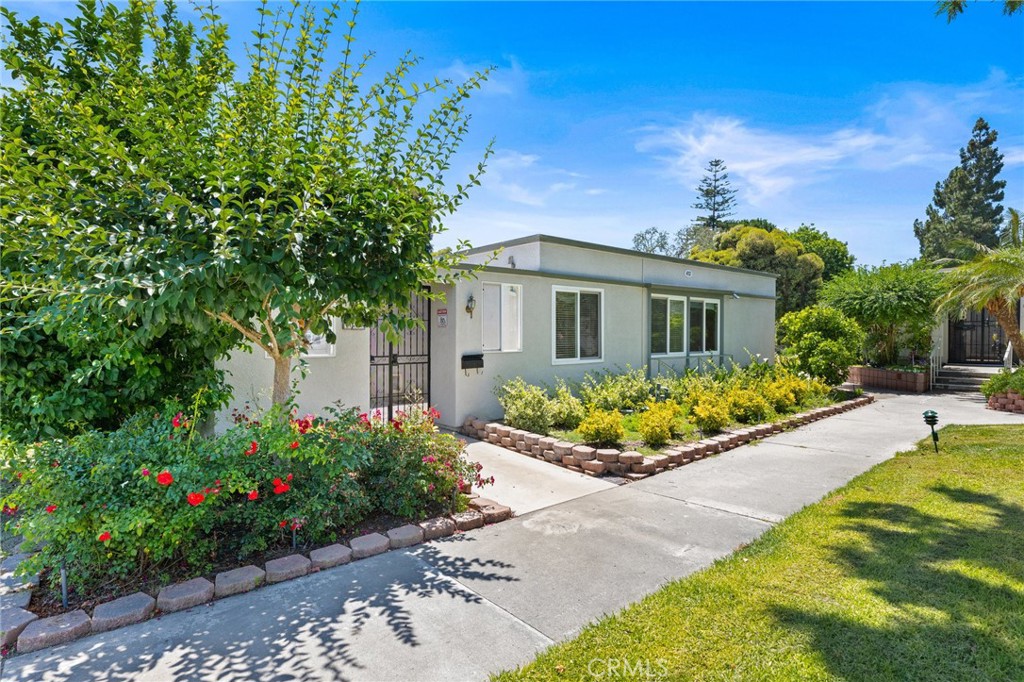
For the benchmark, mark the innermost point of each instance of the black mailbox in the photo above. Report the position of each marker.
(473, 361)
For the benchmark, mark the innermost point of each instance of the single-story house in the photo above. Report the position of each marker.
(543, 308)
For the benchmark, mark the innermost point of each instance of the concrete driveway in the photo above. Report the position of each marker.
(491, 599)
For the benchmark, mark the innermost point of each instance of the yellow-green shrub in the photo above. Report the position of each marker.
(781, 392)
(709, 411)
(603, 427)
(567, 410)
(748, 407)
(658, 424)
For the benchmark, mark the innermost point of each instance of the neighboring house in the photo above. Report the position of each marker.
(977, 339)
(544, 308)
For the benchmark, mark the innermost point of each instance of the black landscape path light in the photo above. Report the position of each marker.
(931, 418)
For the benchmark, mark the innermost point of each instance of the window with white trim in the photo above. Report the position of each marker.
(501, 313)
(704, 325)
(668, 325)
(577, 324)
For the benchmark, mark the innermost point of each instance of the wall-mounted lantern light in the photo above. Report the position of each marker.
(470, 305)
(931, 418)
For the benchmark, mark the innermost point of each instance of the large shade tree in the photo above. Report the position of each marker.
(993, 280)
(266, 206)
(777, 252)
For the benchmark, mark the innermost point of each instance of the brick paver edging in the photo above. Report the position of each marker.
(33, 633)
(632, 465)
(1008, 401)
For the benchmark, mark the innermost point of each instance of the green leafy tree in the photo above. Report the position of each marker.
(265, 206)
(953, 8)
(993, 280)
(834, 254)
(893, 303)
(715, 196)
(822, 342)
(965, 206)
(777, 252)
(78, 125)
(762, 223)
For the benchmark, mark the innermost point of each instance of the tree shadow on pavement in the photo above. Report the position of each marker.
(953, 593)
(322, 626)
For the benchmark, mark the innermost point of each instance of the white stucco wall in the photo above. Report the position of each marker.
(343, 378)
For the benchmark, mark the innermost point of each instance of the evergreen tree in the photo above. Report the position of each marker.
(715, 197)
(965, 206)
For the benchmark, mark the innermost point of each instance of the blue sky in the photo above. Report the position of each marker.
(604, 114)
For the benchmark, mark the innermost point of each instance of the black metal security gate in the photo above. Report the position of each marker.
(977, 338)
(400, 373)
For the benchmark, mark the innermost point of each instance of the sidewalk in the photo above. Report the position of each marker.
(492, 598)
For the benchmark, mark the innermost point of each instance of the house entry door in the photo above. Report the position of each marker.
(976, 339)
(400, 372)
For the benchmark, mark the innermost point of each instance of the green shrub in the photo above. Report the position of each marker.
(567, 410)
(526, 407)
(709, 412)
(415, 470)
(155, 493)
(822, 342)
(1005, 380)
(659, 423)
(748, 406)
(608, 391)
(602, 427)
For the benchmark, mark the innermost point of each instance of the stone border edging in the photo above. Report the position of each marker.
(33, 633)
(1007, 401)
(631, 465)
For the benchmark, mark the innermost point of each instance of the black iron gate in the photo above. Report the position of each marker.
(977, 338)
(400, 372)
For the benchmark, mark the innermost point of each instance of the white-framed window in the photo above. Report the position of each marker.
(668, 325)
(577, 322)
(705, 322)
(501, 317)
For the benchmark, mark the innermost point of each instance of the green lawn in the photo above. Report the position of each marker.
(915, 571)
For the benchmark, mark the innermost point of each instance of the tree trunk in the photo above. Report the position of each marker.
(1005, 315)
(282, 380)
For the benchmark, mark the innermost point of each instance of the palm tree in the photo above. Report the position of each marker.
(993, 280)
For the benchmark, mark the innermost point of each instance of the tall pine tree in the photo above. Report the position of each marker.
(715, 197)
(965, 206)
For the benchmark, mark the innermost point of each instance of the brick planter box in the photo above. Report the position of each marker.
(1011, 401)
(876, 377)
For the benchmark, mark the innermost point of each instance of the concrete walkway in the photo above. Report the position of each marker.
(491, 599)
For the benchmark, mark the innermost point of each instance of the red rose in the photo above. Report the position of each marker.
(104, 536)
(288, 477)
(283, 488)
(176, 422)
(253, 448)
(276, 481)
(145, 472)
(254, 494)
(295, 444)
(50, 509)
(164, 478)
(283, 524)
(195, 499)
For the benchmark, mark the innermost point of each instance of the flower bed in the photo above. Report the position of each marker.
(630, 464)
(155, 502)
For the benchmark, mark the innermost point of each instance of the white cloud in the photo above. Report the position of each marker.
(522, 179)
(909, 125)
(509, 79)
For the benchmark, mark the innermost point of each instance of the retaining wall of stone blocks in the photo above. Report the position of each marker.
(629, 464)
(1010, 401)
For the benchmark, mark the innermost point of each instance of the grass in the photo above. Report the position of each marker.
(913, 571)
